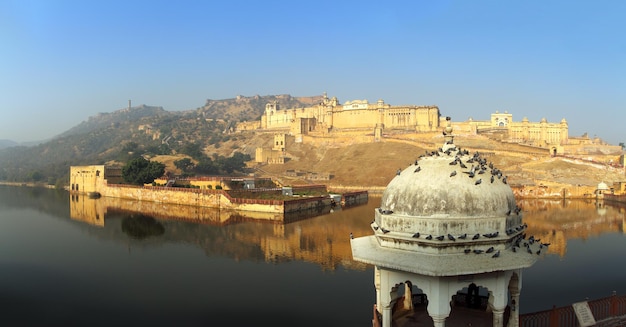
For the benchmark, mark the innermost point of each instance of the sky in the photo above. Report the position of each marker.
(64, 61)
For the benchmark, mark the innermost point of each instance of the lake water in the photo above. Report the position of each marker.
(112, 266)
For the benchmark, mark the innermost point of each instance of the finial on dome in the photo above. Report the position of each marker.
(447, 135)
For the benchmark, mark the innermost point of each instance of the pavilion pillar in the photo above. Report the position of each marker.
(514, 291)
(439, 302)
(439, 321)
(514, 316)
(497, 306)
(387, 315)
(498, 317)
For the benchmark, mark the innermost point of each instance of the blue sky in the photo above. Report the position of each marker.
(64, 61)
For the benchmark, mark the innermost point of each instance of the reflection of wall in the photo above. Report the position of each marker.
(87, 210)
(322, 240)
(556, 221)
(93, 211)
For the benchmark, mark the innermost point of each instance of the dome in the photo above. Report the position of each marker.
(603, 187)
(451, 183)
(447, 205)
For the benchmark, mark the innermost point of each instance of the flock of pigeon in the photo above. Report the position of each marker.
(519, 241)
(478, 165)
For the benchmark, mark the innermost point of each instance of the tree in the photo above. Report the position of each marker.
(140, 171)
(205, 166)
(192, 149)
(184, 164)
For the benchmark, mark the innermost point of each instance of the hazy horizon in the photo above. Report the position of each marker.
(65, 61)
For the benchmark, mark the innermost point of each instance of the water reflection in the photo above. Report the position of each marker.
(557, 221)
(61, 251)
(142, 226)
(321, 237)
(324, 239)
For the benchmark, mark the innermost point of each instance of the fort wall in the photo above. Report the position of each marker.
(89, 179)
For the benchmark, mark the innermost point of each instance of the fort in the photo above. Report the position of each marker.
(210, 192)
(369, 122)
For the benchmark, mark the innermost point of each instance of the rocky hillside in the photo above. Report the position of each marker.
(353, 164)
(349, 161)
(146, 130)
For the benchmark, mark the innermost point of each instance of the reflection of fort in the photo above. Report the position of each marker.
(92, 211)
(556, 221)
(240, 235)
(87, 210)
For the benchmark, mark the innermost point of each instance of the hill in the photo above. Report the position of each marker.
(146, 130)
(349, 162)
(7, 144)
(356, 165)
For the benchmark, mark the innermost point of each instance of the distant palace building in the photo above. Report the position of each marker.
(329, 117)
(542, 134)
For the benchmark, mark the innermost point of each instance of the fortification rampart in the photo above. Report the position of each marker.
(91, 179)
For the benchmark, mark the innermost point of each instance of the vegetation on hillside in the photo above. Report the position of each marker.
(140, 171)
(117, 137)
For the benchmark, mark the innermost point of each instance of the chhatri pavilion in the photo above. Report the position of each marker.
(448, 225)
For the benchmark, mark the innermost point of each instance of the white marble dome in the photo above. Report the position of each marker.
(437, 185)
(448, 201)
(450, 212)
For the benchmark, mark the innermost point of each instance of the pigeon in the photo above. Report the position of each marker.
(429, 237)
(478, 251)
(476, 237)
(451, 238)
(440, 238)
(462, 237)
(495, 255)
(416, 235)
(453, 173)
(489, 250)
(467, 251)
(478, 181)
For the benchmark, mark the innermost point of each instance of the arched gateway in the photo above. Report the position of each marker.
(448, 226)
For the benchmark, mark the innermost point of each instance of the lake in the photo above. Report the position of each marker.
(68, 260)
